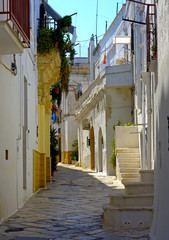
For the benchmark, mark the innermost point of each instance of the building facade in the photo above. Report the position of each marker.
(78, 83)
(18, 104)
(159, 228)
(108, 98)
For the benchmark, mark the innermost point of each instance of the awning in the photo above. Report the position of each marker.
(56, 16)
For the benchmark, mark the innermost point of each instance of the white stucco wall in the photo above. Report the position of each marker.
(12, 193)
(108, 48)
(103, 104)
(79, 74)
(11, 138)
(160, 225)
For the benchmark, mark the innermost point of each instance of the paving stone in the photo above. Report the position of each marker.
(70, 208)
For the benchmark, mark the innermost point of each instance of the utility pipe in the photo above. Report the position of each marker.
(149, 111)
(146, 77)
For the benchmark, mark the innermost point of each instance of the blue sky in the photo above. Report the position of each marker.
(85, 20)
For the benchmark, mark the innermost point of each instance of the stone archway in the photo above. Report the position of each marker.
(92, 148)
(100, 152)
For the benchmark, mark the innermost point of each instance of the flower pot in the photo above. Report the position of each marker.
(65, 29)
(68, 49)
(74, 162)
(154, 55)
(57, 90)
(56, 44)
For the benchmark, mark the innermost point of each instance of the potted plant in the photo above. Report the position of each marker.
(65, 23)
(74, 154)
(72, 55)
(154, 50)
(56, 93)
(45, 41)
(65, 73)
(53, 149)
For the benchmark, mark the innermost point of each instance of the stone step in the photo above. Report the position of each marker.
(129, 170)
(125, 180)
(128, 165)
(128, 155)
(147, 175)
(139, 188)
(129, 175)
(127, 218)
(123, 200)
(128, 160)
(127, 150)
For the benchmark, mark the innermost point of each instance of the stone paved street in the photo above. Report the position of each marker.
(70, 208)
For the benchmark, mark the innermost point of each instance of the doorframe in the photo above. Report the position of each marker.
(92, 148)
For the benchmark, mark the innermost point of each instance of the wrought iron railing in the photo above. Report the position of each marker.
(17, 13)
(148, 10)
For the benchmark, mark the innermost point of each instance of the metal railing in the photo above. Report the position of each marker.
(47, 22)
(17, 13)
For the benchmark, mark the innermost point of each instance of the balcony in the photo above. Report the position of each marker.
(14, 26)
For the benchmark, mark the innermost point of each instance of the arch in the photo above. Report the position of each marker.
(100, 151)
(92, 148)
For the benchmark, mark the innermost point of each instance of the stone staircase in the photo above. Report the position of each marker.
(134, 208)
(128, 164)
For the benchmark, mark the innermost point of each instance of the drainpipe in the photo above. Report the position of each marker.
(149, 110)
(146, 76)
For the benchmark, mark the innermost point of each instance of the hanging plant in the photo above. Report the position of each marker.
(72, 55)
(56, 92)
(65, 73)
(66, 21)
(53, 148)
(45, 41)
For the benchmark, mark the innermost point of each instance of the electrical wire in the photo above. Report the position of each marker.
(7, 68)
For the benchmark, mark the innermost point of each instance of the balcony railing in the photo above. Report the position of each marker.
(17, 13)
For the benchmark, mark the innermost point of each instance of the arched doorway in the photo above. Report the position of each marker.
(92, 148)
(100, 163)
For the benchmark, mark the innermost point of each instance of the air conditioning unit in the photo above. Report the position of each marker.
(85, 124)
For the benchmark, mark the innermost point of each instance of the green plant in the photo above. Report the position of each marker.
(59, 36)
(113, 157)
(56, 96)
(66, 21)
(119, 123)
(154, 48)
(128, 124)
(75, 151)
(45, 41)
(53, 148)
(72, 55)
(65, 73)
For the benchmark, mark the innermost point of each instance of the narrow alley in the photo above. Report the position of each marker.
(70, 208)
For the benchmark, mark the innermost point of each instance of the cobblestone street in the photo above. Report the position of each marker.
(70, 208)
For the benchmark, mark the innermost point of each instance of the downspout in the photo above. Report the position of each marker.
(149, 110)
(146, 76)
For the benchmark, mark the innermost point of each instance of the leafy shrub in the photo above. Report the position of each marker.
(45, 41)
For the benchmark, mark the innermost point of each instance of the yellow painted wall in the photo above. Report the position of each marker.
(41, 128)
(47, 134)
(66, 158)
(39, 170)
(48, 74)
(48, 169)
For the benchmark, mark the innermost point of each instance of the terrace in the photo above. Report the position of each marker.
(14, 26)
